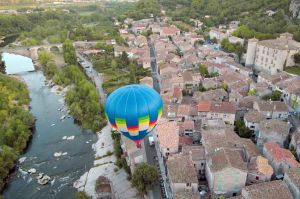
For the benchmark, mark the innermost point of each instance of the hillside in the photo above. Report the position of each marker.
(252, 13)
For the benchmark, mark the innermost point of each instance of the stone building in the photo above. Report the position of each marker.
(272, 55)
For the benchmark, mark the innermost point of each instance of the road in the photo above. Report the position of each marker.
(150, 154)
(154, 68)
(92, 74)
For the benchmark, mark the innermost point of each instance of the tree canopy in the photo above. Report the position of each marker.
(144, 178)
(16, 122)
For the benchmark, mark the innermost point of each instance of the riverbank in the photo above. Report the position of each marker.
(17, 123)
(106, 167)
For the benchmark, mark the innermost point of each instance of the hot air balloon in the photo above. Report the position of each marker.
(134, 110)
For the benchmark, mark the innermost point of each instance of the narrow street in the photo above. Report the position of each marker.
(92, 74)
(154, 68)
(151, 154)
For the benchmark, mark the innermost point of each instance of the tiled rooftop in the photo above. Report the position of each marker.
(267, 190)
(168, 134)
(274, 126)
(181, 169)
(225, 158)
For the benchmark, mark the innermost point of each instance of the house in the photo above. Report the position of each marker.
(186, 194)
(234, 40)
(210, 83)
(133, 154)
(177, 95)
(217, 34)
(169, 31)
(279, 158)
(273, 79)
(275, 131)
(259, 171)
(140, 41)
(217, 95)
(183, 111)
(267, 190)
(272, 109)
(226, 172)
(167, 137)
(252, 120)
(292, 179)
(182, 173)
(217, 110)
(239, 68)
(188, 128)
(290, 89)
(197, 154)
(261, 89)
(118, 50)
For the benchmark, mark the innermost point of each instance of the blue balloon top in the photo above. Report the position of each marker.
(134, 110)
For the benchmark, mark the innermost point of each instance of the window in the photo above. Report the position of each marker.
(257, 177)
(188, 184)
(168, 149)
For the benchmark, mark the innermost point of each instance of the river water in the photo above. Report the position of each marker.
(47, 140)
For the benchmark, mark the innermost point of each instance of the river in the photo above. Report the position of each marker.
(48, 139)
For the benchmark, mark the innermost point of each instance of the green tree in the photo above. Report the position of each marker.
(294, 102)
(239, 50)
(144, 178)
(81, 195)
(124, 59)
(297, 58)
(252, 92)
(132, 70)
(69, 52)
(274, 96)
(203, 70)
(241, 129)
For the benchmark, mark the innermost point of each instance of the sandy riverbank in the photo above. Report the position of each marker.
(106, 167)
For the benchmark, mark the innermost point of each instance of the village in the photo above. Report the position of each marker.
(227, 130)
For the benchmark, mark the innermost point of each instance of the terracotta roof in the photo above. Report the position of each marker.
(204, 106)
(183, 140)
(223, 107)
(294, 176)
(267, 190)
(225, 158)
(170, 30)
(183, 109)
(280, 154)
(176, 91)
(261, 165)
(168, 134)
(189, 124)
(181, 169)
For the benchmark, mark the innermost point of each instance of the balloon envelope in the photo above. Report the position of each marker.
(134, 110)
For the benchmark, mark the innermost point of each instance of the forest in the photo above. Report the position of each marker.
(56, 26)
(250, 13)
(16, 123)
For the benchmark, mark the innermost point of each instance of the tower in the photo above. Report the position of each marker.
(251, 51)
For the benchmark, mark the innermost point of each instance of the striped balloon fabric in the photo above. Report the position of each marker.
(134, 110)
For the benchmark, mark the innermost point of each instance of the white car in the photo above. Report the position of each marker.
(151, 140)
